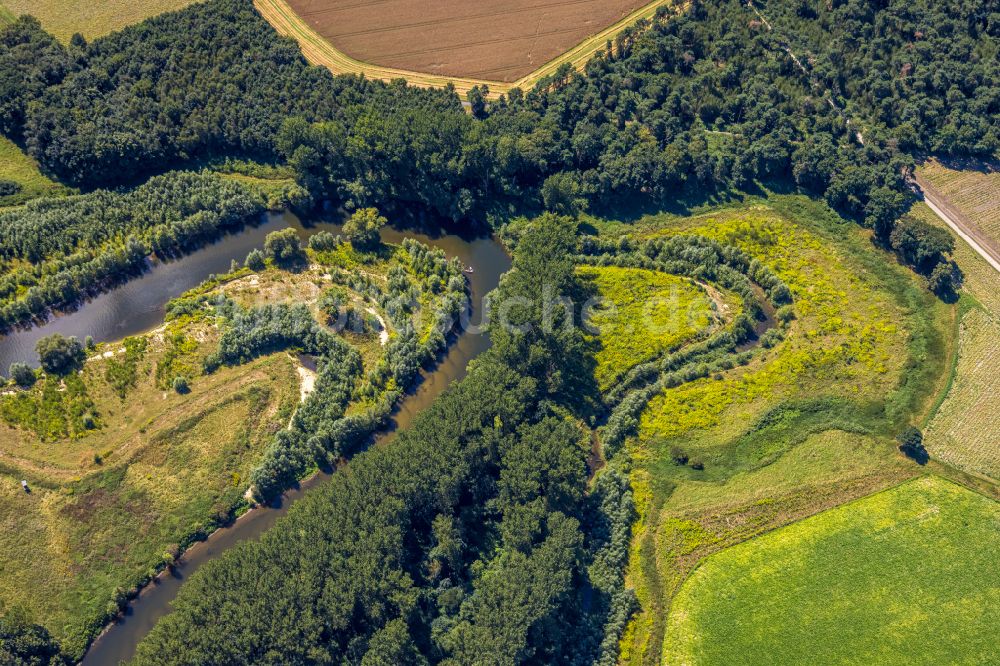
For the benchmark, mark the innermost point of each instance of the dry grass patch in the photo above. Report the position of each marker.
(966, 430)
(108, 507)
(62, 18)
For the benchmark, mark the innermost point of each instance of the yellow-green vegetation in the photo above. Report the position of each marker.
(63, 18)
(889, 579)
(807, 424)
(845, 335)
(701, 517)
(17, 167)
(974, 190)
(644, 313)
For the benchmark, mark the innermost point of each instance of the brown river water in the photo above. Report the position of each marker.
(138, 306)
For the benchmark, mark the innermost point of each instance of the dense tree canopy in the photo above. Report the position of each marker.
(472, 537)
(60, 355)
(171, 88)
(363, 226)
(24, 644)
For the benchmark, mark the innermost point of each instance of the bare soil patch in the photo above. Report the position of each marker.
(500, 41)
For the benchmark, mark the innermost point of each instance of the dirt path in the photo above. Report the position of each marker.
(318, 51)
(813, 82)
(985, 246)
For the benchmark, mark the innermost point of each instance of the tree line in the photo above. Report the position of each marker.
(698, 258)
(321, 432)
(55, 252)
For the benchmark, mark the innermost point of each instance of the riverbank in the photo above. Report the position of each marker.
(483, 253)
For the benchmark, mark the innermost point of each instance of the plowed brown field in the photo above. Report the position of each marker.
(501, 40)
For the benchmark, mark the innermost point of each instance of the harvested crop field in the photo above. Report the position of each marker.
(964, 431)
(503, 41)
(973, 188)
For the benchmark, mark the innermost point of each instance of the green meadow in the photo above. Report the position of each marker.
(906, 576)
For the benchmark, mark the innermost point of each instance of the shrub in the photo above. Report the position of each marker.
(771, 338)
(362, 229)
(255, 260)
(181, 385)
(284, 247)
(60, 355)
(697, 464)
(911, 443)
(9, 188)
(677, 453)
(945, 279)
(785, 314)
(324, 241)
(22, 375)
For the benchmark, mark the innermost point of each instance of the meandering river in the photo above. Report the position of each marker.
(138, 306)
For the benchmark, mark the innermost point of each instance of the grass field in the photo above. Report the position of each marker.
(18, 167)
(319, 51)
(974, 191)
(644, 314)
(806, 425)
(107, 505)
(62, 18)
(889, 579)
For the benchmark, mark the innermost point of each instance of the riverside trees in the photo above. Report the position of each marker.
(55, 252)
(471, 533)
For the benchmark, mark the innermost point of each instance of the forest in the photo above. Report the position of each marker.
(475, 535)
